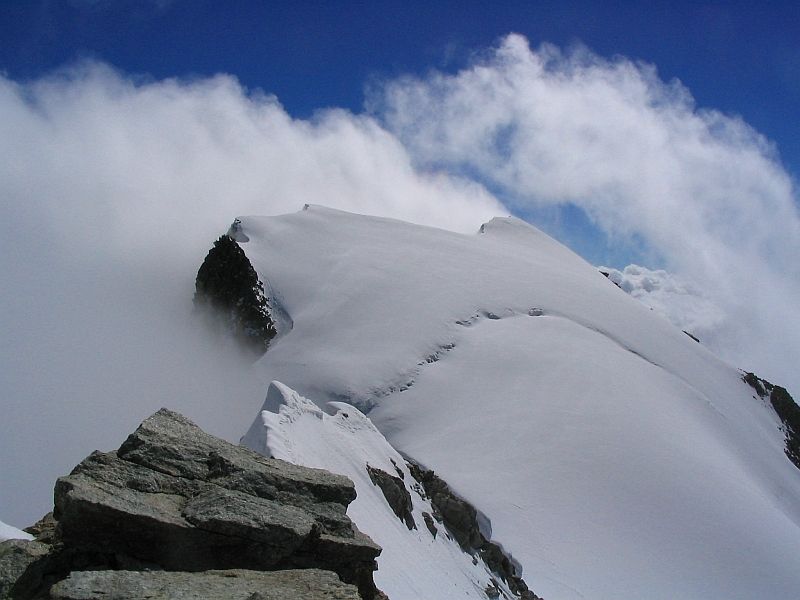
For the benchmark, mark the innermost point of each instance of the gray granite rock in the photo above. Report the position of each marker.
(44, 529)
(174, 498)
(307, 584)
(15, 558)
(396, 494)
(461, 519)
(169, 443)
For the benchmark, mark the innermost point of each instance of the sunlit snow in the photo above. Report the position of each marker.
(615, 457)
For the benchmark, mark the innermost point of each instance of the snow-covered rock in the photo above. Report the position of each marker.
(614, 456)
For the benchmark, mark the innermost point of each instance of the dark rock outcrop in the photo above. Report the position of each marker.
(695, 338)
(430, 524)
(396, 494)
(461, 520)
(785, 407)
(174, 498)
(230, 296)
(608, 276)
(44, 530)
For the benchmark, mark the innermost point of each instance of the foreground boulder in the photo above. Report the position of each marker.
(174, 498)
(16, 556)
(233, 584)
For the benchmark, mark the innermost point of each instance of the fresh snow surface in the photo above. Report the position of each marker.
(615, 457)
(413, 563)
(7, 532)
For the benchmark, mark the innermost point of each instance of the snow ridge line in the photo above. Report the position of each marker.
(481, 315)
(622, 345)
(410, 376)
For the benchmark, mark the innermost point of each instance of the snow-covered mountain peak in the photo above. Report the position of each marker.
(615, 456)
(345, 278)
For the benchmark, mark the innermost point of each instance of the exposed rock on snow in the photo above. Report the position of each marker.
(396, 494)
(416, 562)
(175, 498)
(786, 409)
(230, 297)
(461, 519)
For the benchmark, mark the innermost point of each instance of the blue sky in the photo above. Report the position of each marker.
(739, 57)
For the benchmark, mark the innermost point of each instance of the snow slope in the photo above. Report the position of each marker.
(413, 563)
(616, 457)
(7, 532)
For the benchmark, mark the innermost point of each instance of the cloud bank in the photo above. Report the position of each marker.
(113, 188)
(682, 302)
(704, 191)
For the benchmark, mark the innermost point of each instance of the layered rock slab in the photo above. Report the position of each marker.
(174, 498)
(232, 585)
(16, 556)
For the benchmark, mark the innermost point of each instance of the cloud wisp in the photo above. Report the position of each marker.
(113, 190)
(683, 303)
(702, 189)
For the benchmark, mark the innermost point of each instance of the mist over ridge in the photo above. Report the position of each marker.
(115, 186)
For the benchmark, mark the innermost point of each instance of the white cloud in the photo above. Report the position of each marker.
(702, 189)
(113, 188)
(112, 192)
(684, 303)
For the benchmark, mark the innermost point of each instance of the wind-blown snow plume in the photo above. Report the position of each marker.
(704, 190)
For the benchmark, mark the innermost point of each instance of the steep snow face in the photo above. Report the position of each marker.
(414, 563)
(615, 457)
(7, 532)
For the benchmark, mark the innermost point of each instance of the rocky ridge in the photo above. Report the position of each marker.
(460, 519)
(785, 407)
(178, 513)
